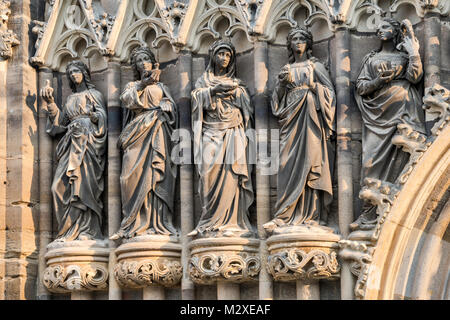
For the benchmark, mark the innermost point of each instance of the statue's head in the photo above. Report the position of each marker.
(299, 40)
(222, 54)
(142, 60)
(389, 29)
(77, 72)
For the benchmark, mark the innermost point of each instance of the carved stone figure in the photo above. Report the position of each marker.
(148, 175)
(8, 39)
(221, 112)
(78, 182)
(386, 97)
(304, 102)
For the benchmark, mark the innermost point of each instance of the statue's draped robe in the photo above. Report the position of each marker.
(148, 175)
(221, 151)
(382, 110)
(78, 182)
(306, 153)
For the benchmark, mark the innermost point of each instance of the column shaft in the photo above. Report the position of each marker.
(262, 106)
(344, 152)
(114, 167)
(45, 182)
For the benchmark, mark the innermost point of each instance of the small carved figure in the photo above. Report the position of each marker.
(221, 113)
(386, 96)
(148, 175)
(78, 182)
(304, 102)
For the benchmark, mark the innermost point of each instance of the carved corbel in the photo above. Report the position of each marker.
(76, 266)
(224, 259)
(8, 39)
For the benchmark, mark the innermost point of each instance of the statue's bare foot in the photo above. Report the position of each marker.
(115, 236)
(270, 226)
(193, 233)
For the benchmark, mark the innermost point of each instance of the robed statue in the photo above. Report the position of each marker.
(386, 96)
(304, 102)
(147, 180)
(78, 182)
(221, 114)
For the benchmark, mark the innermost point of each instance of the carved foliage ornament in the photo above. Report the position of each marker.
(295, 264)
(8, 39)
(69, 278)
(138, 274)
(209, 268)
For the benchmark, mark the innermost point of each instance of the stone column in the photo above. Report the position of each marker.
(344, 152)
(153, 293)
(45, 182)
(186, 174)
(228, 291)
(114, 167)
(308, 290)
(262, 107)
(21, 183)
(3, 114)
(432, 56)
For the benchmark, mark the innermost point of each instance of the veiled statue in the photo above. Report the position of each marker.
(304, 102)
(78, 182)
(221, 114)
(148, 175)
(386, 96)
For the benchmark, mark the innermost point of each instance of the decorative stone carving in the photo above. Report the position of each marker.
(358, 249)
(206, 22)
(437, 101)
(148, 175)
(76, 266)
(387, 98)
(304, 91)
(303, 256)
(224, 259)
(39, 30)
(174, 15)
(221, 114)
(148, 260)
(78, 181)
(8, 39)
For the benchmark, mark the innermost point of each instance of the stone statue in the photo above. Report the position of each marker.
(148, 175)
(221, 113)
(78, 182)
(386, 96)
(304, 103)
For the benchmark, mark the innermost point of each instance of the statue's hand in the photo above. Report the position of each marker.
(222, 88)
(385, 77)
(411, 45)
(47, 93)
(284, 77)
(93, 116)
(166, 105)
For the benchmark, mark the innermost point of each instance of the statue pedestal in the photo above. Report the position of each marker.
(76, 266)
(308, 256)
(224, 259)
(148, 260)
